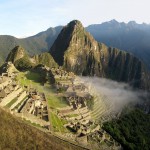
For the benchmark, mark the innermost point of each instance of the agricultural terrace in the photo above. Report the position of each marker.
(34, 80)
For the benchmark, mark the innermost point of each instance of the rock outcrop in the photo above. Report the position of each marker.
(16, 53)
(76, 50)
(19, 58)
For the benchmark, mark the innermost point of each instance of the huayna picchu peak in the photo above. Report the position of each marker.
(76, 50)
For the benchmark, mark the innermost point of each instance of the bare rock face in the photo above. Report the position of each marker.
(77, 51)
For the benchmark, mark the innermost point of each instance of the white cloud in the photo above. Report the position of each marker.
(117, 94)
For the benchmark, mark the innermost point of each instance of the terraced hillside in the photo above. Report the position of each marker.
(62, 107)
(20, 100)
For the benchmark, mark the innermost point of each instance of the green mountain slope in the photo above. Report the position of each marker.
(45, 59)
(131, 37)
(78, 51)
(132, 130)
(20, 58)
(33, 45)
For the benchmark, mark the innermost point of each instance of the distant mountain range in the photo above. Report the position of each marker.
(131, 37)
(77, 51)
(33, 45)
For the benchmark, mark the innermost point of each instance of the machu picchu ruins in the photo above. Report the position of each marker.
(27, 102)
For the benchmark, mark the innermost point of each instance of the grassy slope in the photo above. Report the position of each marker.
(57, 123)
(14, 134)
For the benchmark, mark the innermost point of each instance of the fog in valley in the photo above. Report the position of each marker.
(114, 95)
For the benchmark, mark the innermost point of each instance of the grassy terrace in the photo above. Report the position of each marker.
(34, 80)
(11, 103)
(57, 123)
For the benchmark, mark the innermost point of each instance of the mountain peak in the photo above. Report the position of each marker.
(75, 25)
(77, 51)
(113, 21)
(72, 34)
(75, 22)
(132, 23)
(15, 54)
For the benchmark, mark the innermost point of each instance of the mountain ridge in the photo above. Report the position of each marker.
(131, 37)
(83, 55)
(36, 44)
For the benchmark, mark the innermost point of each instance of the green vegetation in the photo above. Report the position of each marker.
(132, 130)
(34, 80)
(23, 63)
(35, 77)
(45, 59)
(56, 102)
(32, 123)
(16, 107)
(30, 79)
(11, 103)
(57, 123)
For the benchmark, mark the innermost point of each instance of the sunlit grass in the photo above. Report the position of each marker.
(57, 123)
(11, 103)
(54, 101)
(33, 80)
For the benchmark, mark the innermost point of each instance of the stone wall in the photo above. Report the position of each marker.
(10, 97)
(4, 84)
(19, 99)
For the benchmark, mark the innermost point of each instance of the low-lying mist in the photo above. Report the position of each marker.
(117, 94)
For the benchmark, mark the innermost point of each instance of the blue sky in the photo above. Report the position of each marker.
(22, 18)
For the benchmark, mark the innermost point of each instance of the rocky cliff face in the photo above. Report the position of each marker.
(78, 51)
